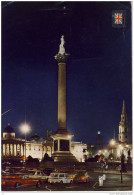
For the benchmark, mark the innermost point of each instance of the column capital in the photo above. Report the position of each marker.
(61, 58)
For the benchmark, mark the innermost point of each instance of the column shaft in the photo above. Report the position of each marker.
(61, 95)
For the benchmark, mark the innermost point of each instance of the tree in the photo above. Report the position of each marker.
(29, 158)
(90, 150)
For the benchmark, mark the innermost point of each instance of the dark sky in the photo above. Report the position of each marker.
(98, 69)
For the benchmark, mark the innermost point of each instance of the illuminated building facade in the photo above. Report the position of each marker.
(11, 147)
(79, 150)
(36, 147)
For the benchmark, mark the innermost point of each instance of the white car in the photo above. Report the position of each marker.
(37, 174)
(60, 178)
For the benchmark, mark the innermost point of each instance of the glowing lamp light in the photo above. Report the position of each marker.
(25, 128)
(69, 136)
(112, 142)
(99, 152)
(23, 158)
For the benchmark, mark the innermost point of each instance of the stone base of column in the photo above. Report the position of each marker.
(63, 157)
(63, 131)
(63, 151)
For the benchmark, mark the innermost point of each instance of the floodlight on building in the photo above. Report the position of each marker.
(99, 151)
(112, 142)
(99, 132)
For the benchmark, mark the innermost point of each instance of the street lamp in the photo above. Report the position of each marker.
(112, 142)
(25, 128)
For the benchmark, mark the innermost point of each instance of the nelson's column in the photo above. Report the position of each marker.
(62, 137)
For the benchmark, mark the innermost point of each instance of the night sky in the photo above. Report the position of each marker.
(98, 69)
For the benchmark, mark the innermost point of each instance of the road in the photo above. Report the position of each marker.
(112, 183)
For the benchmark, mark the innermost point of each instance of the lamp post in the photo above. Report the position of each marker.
(120, 147)
(25, 128)
(112, 144)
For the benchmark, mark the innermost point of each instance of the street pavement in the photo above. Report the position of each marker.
(112, 183)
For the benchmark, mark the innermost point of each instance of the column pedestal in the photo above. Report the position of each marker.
(62, 151)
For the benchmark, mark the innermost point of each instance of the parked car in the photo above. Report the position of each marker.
(21, 172)
(37, 174)
(10, 176)
(60, 178)
(82, 177)
(11, 171)
(17, 181)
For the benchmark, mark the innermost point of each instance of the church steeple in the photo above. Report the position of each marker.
(124, 134)
(114, 134)
(123, 114)
(123, 107)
